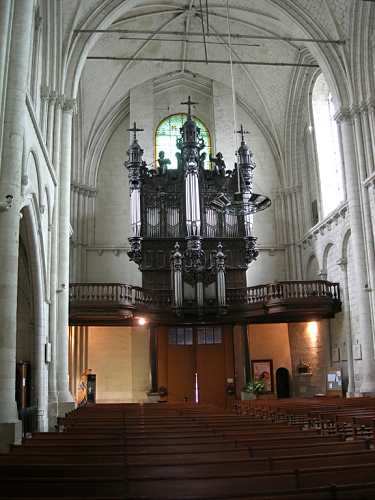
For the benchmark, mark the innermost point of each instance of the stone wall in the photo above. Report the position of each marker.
(309, 347)
(119, 356)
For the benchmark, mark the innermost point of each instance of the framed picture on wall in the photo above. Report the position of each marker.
(262, 369)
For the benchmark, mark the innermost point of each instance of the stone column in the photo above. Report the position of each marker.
(82, 351)
(349, 340)
(80, 236)
(360, 124)
(44, 96)
(74, 221)
(40, 369)
(50, 121)
(371, 110)
(5, 29)
(153, 359)
(10, 184)
(65, 399)
(246, 351)
(52, 387)
(240, 358)
(359, 254)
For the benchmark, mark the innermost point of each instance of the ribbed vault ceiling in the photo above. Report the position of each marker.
(103, 84)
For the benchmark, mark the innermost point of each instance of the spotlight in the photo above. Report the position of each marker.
(312, 327)
(141, 321)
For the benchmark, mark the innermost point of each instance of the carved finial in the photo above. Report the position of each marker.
(242, 132)
(135, 130)
(220, 252)
(189, 103)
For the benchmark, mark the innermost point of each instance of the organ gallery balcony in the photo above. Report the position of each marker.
(285, 301)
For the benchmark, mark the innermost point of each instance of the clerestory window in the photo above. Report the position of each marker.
(327, 145)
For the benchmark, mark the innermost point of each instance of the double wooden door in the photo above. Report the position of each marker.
(195, 363)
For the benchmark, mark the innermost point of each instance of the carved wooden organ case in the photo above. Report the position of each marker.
(191, 228)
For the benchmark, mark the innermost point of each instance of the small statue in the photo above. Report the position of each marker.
(179, 160)
(219, 168)
(179, 143)
(202, 159)
(163, 163)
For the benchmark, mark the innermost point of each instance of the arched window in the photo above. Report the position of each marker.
(168, 131)
(327, 145)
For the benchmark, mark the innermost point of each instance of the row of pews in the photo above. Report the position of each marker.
(266, 449)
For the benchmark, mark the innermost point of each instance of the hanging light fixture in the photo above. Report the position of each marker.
(244, 201)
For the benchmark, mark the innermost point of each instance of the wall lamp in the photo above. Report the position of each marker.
(141, 321)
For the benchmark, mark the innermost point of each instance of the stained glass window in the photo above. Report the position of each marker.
(167, 133)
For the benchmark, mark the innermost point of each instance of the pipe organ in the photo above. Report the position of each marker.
(192, 228)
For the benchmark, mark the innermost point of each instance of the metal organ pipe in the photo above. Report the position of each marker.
(193, 219)
(135, 209)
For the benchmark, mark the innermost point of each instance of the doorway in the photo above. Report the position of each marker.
(282, 383)
(194, 362)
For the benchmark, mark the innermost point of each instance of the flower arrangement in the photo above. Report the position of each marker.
(257, 386)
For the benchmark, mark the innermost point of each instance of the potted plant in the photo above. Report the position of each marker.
(252, 389)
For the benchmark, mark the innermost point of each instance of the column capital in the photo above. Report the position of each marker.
(83, 189)
(44, 92)
(356, 111)
(69, 105)
(322, 274)
(342, 263)
(52, 97)
(60, 101)
(344, 115)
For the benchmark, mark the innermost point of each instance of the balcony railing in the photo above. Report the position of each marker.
(283, 290)
(93, 293)
(117, 294)
(285, 299)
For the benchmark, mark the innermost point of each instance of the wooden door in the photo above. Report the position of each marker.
(211, 374)
(199, 361)
(181, 364)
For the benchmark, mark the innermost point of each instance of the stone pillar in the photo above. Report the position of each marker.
(240, 358)
(359, 255)
(10, 184)
(153, 359)
(371, 110)
(246, 351)
(39, 375)
(364, 168)
(52, 387)
(44, 97)
(349, 340)
(74, 267)
(5, 30)
(65, 399)
(50, 121)
(80, 236)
